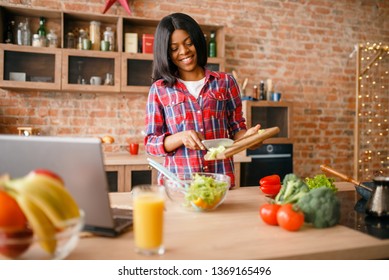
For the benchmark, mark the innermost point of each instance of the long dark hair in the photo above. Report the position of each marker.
(163, 67)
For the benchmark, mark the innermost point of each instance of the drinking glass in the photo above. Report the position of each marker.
(149, 203)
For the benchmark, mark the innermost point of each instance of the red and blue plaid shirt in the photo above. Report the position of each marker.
(216, 113)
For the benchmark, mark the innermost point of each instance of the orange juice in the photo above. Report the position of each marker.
(148, 221)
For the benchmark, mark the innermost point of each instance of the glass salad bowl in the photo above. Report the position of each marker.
(202, 192)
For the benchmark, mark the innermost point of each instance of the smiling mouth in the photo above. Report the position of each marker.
(187, 59)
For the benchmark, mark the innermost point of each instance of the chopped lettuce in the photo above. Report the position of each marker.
(206, 188)
(213, 152)
(321, 180)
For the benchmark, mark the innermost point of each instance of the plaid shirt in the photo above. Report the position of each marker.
(217, 113)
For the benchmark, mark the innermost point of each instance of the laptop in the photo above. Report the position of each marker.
(79, 161)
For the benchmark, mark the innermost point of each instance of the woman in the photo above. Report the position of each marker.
(188, 103)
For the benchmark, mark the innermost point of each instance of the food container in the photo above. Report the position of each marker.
(25, 245)
(203, 192)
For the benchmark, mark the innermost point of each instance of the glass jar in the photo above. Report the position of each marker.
(109, 37)
(36, 40)
(94, 35)
(52, 39)
(70, 41)
(81, 36)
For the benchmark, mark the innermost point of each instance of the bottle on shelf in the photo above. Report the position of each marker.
(212, 45)
(52, 39)
(70, 41)
(82, 35)
(262, 95)
(109, 37)
(94, 35)
(42, 31)
(26, 33)
(9, 34)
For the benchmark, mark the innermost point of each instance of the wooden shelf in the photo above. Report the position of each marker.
(270, 114)
(83, 63)
(131, 71)
(40, 66)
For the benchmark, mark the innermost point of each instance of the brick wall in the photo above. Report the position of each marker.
(304, 46)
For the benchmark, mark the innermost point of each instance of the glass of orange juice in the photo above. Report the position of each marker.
(149, 203)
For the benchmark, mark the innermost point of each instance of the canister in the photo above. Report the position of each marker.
(94, 30)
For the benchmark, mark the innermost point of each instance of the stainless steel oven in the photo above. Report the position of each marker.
(267, 160)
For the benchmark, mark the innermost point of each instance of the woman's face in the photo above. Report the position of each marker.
(183, 55)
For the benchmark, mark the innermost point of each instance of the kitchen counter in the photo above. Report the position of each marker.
(235, 231)
(141, 158)
(126, 166)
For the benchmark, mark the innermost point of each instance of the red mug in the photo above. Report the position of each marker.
(133, 148)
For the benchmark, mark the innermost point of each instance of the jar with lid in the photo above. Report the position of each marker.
(94, 34)
(81, 36)
(37, 41)
(110, 37)
(70, 41)
(52, 39)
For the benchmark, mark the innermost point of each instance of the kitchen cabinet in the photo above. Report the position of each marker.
(70, 69)
(270, 114)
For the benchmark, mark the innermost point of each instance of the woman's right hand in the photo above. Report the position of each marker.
(190, 139)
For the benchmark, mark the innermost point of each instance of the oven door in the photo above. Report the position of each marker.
(267, 160)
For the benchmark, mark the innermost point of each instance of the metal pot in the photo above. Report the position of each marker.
(378, 204)
(378, 198)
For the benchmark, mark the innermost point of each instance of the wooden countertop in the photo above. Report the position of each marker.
(235, 231)
(141, 159)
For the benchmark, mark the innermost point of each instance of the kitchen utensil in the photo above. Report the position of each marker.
(328, 169)
(248, 142)
(180, 185)
(214, 143)
(378, 204)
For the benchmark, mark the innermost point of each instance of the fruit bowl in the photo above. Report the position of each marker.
(202, 192)
(25, 245)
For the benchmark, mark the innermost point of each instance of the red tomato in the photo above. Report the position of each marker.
(270, 180)
(268, 213)
(290, 219)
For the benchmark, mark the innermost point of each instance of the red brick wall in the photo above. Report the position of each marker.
(304, 46)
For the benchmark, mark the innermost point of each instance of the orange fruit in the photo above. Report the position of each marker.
(203, 205)
(11, 216)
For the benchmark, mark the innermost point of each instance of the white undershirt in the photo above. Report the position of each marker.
(194, 87)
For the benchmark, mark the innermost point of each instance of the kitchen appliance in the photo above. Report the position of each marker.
(267, 160)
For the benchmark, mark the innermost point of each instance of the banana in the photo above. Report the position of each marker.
(41, 225)
(49, 195)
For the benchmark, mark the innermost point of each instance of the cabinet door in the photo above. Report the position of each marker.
(80, 66)
(27, 67)
(136, 72)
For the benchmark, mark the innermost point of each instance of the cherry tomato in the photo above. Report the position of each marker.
(268, 213)
(289, 218)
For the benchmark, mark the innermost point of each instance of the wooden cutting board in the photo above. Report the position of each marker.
(248, 142)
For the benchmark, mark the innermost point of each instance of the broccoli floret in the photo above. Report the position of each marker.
(293, 188)
(321, 207)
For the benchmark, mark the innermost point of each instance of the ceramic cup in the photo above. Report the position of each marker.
(95, 80)
(276, 96)
(133, 148)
